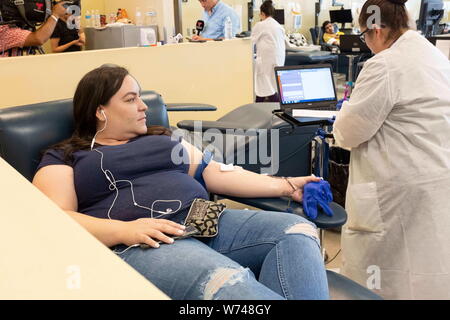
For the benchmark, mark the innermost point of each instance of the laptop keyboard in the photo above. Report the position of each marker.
(324, 108)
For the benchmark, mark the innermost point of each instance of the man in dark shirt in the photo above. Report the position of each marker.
(66, 36)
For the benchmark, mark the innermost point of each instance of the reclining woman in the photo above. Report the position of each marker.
(116, 177)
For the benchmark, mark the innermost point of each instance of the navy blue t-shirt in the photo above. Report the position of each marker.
(146, 161)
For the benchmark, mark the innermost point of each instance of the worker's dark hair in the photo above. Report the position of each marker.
(393, 15)
(267, 8)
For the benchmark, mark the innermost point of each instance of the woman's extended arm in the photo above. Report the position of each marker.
(61, 48)
(82, 37)
(243, 183)
(246, 184)
(56, 182)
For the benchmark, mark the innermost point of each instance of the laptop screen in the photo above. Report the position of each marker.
(305, 85)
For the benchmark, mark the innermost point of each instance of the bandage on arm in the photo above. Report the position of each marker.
(242, 183)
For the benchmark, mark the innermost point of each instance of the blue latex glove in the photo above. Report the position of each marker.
(310, 206)
(317, 195)
(339, 104)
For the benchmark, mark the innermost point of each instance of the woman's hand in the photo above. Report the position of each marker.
(75, 43)
(199, 38)
(149, 231)
(299, 183)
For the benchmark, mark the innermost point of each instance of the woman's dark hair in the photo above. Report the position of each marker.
(393, 15)
(267, 8)
(96, 88)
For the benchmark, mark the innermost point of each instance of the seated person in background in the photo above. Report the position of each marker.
(14, 40)
(118, 178)
(67, 37)
(329, 37)
(214, 17)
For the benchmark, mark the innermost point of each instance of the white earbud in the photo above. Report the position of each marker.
(106, 122)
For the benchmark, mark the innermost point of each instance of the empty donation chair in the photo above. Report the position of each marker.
(26, 131)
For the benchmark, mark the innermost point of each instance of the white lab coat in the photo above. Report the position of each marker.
(397, 124)
(268, 37)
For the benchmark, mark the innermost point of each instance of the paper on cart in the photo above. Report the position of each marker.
(306, 113)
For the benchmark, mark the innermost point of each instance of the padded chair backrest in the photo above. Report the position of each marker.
(157, 110)
(294, 144)
(320, 37)
(26, 131)
(314, 35)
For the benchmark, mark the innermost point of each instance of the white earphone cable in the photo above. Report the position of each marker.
(113, 186)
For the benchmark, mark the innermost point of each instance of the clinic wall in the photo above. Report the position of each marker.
(164, 18)
(163, 8)
(307, 10)
(218, 73)
(193, 11)
(446, 18)
(447, 7)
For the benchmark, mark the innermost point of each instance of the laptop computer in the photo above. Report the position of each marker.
(352, 44)
(306, 89)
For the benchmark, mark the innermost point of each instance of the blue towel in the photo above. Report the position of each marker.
(315, 195)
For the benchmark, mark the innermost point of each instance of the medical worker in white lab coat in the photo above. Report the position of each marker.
(268, 37)
(397, 124)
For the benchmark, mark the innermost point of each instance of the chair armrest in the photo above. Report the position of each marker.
(322, 221)
(222, 126)
(329, 47)
(190, 107)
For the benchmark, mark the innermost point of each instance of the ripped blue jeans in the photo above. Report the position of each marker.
(257, 255)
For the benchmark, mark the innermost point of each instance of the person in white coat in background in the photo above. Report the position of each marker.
(268, 38)
(397, 124)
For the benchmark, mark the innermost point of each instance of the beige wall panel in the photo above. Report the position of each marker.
(218, 73)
